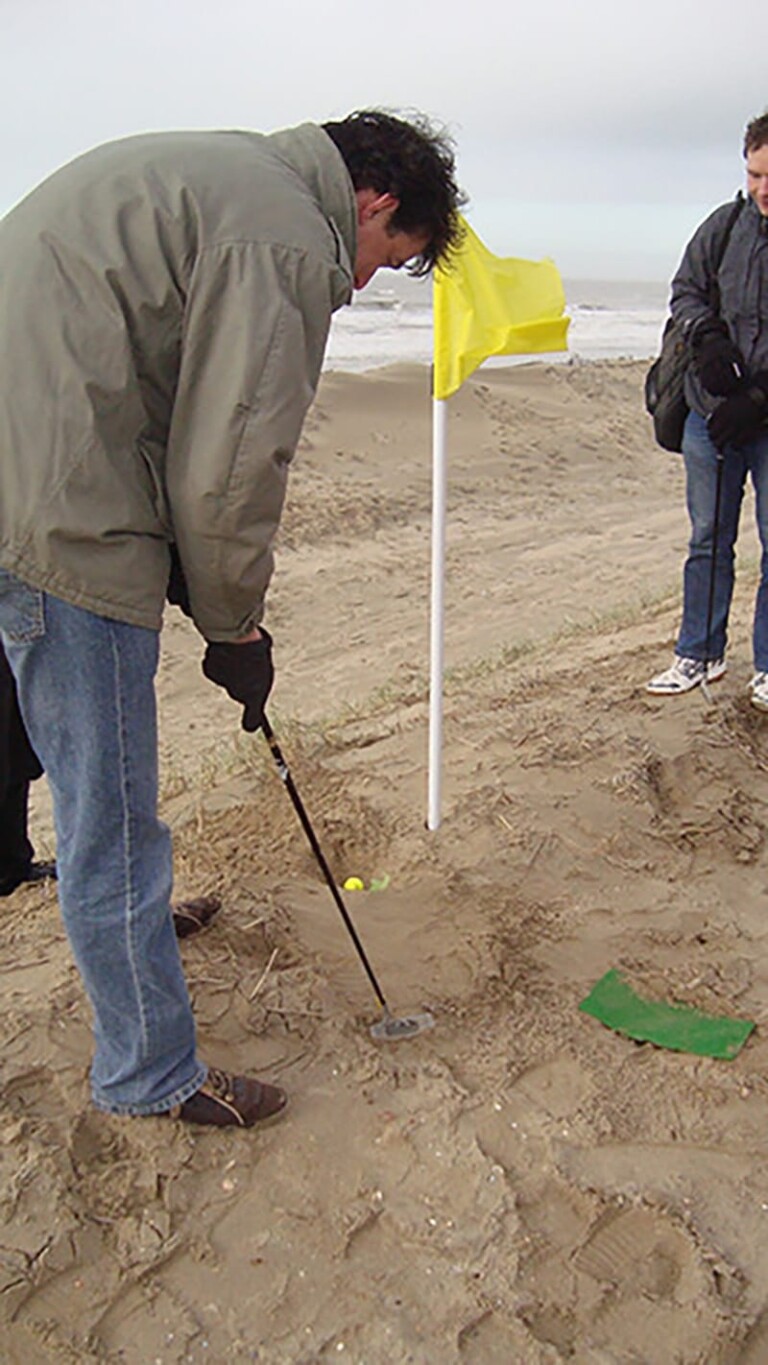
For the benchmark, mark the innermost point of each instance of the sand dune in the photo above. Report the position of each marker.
(519, 1184)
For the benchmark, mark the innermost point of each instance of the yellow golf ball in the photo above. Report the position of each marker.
(354, 884)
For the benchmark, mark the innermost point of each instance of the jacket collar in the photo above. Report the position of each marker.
(312, 154)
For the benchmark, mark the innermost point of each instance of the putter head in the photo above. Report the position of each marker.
(392, 1030)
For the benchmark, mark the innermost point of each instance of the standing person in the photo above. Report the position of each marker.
(165, 304)
(19, 766)
(726, 431)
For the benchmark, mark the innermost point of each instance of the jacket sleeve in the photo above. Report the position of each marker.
(255, 327)
(690, 299)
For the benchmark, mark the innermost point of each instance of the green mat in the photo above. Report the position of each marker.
(678, 1027)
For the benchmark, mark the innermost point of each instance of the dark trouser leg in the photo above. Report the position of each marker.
(16, 852)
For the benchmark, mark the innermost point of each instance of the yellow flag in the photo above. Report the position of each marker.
(491, 305)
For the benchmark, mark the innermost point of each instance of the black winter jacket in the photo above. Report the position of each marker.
(743, 284)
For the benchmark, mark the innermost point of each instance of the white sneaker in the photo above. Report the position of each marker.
(687, 673)
(759, 691)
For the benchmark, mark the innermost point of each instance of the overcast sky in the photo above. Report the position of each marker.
(594, 131)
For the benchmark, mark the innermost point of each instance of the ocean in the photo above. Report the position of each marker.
(391, 322)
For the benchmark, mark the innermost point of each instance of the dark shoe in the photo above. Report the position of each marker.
(232, 1102)
(35, 872)
(189, 917)
(41, 872)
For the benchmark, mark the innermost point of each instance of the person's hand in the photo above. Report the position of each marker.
(245, 671)
(742, 415)
(717, 362)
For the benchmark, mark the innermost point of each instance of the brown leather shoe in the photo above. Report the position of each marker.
(189, 917)
(228, 1101)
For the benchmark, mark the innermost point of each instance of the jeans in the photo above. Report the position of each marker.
(86, 693)
(700, 455)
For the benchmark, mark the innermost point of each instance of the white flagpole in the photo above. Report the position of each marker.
(437, 632)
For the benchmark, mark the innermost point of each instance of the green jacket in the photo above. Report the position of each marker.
(165, 303)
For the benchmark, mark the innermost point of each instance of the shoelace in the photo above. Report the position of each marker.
(221, 1084)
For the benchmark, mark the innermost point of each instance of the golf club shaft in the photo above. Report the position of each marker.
(283, 770)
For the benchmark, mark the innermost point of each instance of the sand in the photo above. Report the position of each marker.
(519, 1184)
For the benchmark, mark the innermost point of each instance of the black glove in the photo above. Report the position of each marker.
(246, 672)
(177, 591)
(717, 362)
(742, 415)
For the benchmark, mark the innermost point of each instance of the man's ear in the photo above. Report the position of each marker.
(370, 204)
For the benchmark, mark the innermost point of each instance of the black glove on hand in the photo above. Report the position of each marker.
(177, 592)
(246, 672)
(717, 362)
(741, 415)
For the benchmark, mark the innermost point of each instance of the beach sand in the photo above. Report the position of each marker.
(520, 1184)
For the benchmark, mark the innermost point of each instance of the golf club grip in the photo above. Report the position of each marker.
(298, 805)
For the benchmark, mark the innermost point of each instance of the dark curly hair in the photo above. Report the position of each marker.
(756, 134)
(414, 161)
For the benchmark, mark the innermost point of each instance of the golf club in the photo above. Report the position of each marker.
(713, 566)
(388, 1028)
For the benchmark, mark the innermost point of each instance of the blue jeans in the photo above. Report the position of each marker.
(750, 458)
(86, 692)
